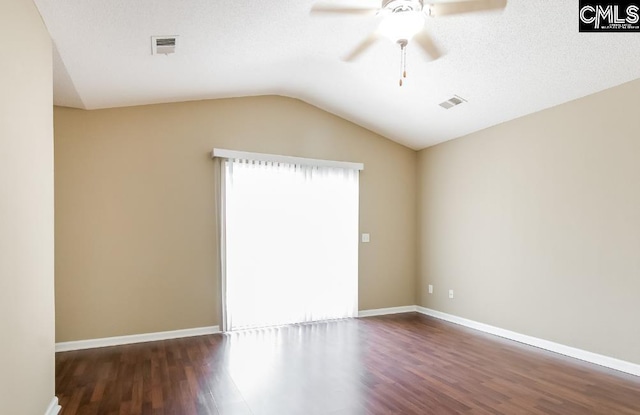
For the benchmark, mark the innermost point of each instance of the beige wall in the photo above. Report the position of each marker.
(26, 212)
(535, 224)
(135, 215)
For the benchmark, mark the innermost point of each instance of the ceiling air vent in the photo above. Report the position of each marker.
(163, 45)
(452, 102)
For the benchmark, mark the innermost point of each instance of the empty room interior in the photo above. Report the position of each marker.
(335, 207)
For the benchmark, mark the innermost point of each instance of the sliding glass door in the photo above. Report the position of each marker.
(290, 243)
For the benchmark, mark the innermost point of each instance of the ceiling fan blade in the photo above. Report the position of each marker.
(362, 46)
(464, 6)
(321, 9)
(427, 45)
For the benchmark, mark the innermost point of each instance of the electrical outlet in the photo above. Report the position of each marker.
(450, 293)
(430, 289)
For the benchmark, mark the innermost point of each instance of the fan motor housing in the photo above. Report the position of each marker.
(402, 5)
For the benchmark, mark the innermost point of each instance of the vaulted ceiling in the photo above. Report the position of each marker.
(506, 64)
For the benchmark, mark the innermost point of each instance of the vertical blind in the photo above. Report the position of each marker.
(289, 243)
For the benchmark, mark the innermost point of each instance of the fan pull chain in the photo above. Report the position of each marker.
(403, 59)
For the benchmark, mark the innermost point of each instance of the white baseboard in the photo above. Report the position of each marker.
(598, 359)
(385, 311)
(135, 338)
(53, 407)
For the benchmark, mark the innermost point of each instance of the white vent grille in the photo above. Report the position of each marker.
(452, 102)
(163, 45)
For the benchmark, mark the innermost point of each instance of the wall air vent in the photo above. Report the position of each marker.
(163, 45)
(452, 102)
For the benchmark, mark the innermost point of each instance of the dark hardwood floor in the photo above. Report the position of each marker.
(402, 364)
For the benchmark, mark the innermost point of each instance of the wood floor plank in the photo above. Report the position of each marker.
(403, 364)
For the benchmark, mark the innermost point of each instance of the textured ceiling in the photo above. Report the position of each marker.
(525, 58)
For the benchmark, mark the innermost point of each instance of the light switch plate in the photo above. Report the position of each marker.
(366, 237)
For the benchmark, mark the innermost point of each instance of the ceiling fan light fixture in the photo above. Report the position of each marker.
(402, 25)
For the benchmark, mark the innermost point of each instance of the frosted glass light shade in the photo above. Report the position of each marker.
(401, 25)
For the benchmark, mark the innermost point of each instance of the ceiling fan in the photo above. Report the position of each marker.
(403, 21)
